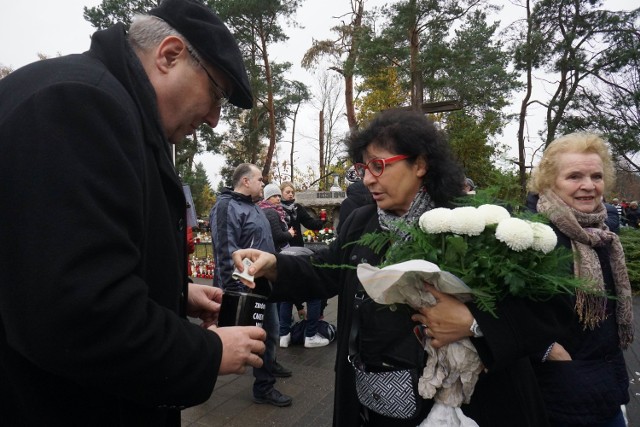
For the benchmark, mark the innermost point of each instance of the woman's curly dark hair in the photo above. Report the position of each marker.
(412, 133)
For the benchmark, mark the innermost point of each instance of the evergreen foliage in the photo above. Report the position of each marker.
(630, 239)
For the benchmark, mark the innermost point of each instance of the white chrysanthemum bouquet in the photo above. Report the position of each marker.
(493, 253)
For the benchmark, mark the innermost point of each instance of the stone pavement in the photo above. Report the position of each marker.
(311, 387)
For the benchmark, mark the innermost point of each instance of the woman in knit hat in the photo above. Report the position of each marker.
(272, 208)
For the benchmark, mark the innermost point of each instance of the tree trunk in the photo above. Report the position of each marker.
(321, 145)
(522, 170)
(349, 104)
(293, 139)
(266, 170)
(417, 96)
(254, 119)
(349, 68)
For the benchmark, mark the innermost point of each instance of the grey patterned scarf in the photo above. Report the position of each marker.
(290, 210)
(587, 231)
(421, 203)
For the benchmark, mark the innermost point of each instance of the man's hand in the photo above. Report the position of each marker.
(264, 264)
(447, 321)
(204, 303)
(241, 347)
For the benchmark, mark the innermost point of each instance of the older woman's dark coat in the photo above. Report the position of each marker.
(507, 395)
(93, 279)
(589, 389)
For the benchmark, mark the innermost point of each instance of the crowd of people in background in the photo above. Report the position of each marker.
(628, 213)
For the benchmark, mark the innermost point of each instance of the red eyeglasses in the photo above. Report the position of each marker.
(376, 166)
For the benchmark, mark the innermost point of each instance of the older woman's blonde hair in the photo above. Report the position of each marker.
(545, 174)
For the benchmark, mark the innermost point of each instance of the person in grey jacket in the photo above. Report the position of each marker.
(94, 300)
(238, 223)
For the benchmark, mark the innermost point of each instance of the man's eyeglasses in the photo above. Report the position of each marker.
(376, 166)
(218, 100)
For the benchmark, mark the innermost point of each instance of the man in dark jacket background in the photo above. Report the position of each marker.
(93, 287)
(613, 219)
(238, 223)
(357, 195)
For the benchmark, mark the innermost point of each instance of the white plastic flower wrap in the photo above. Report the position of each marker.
(403, 283)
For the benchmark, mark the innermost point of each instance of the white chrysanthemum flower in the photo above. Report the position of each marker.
(435, 221)
(466, 221)
(544, 239)
(515, 233)
(493, 214)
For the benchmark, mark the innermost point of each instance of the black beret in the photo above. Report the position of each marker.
(213, 41)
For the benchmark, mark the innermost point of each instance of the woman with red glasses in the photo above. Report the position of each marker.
(408, 167)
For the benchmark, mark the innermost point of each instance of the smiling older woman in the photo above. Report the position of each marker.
(408, 168)
(583, 377)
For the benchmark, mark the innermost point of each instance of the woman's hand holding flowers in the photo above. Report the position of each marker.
(447, 321)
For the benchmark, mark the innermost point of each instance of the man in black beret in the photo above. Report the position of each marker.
(93, 288)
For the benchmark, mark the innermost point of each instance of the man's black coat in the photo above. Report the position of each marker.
(93, 271)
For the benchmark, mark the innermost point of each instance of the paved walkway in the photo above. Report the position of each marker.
(311, 386)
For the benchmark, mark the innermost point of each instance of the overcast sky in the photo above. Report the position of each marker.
(29, 27)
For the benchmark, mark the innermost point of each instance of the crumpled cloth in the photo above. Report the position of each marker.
(452, 371)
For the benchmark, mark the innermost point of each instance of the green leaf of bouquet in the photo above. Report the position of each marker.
(456, 249)
(516, 283)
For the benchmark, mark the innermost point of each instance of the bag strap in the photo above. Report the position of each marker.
(359, 298)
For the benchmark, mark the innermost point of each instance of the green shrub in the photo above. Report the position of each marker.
(630, 238)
